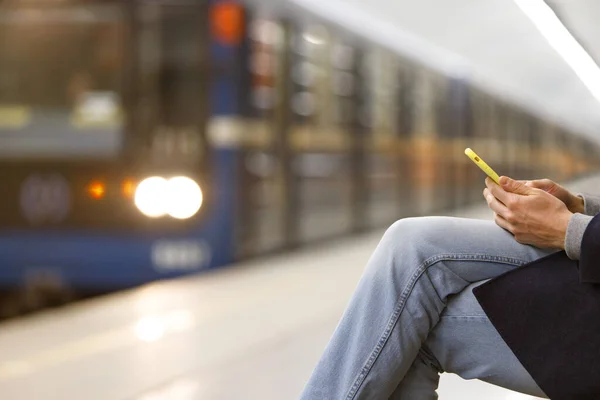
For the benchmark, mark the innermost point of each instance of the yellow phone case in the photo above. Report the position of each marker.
(482, 164)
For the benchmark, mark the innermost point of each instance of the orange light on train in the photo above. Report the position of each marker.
(227, 23)
(97, 190)
(128, 188)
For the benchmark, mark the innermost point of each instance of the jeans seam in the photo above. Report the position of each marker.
(432, 285)
(366, 369)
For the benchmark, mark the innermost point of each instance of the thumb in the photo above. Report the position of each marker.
(513, 186)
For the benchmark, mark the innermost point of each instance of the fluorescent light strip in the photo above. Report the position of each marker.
(563, 42)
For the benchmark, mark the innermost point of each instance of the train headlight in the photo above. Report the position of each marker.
(185, 197)
(180, 197)
(151, 197)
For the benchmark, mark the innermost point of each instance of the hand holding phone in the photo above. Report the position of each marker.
(483, 165)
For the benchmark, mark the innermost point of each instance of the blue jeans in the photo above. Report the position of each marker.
(414, 316)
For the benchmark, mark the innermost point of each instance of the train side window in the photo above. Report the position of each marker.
(425, 119)
(406, 105)
(266, 36)
(343, 83)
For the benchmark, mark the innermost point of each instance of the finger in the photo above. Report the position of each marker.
(543, 184)
(489, 182)
(502, 223)
(497, 191)
(526, 182)
(496, 206)
(516, 187)
(489, 197)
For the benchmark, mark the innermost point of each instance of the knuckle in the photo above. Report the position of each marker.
(510, 217)
(519, 239)
(497, 219)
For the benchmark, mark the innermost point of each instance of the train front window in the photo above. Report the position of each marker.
(61, 70)
(173, 80)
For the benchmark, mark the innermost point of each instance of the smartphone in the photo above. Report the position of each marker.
(483, 165)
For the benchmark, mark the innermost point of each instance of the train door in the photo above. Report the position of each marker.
(406, 113)
(511, 136)
(320, 146)
(536, 160)
(556, 159)
(443, 150)
(458, 113)
(501, 122)
(263, 208)
(520, 145)
(352, 89)
(382, 169)
(590, 155)
(424, 144)
(579, 153)
(472, 175)
(525, 154)
(479, 137)
(547, 149)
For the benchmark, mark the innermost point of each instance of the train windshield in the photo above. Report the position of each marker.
(61, 72)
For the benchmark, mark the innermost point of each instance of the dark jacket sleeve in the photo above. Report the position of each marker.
(589, 261)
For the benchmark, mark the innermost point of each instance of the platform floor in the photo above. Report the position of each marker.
(250, 332)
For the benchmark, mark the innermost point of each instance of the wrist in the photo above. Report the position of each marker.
(563, 225)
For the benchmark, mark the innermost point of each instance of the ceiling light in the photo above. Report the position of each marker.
(563, 42)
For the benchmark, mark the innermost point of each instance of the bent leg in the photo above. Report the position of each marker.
(464, 342)
(418, 264)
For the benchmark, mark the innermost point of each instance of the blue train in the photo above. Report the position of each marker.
(145, 140)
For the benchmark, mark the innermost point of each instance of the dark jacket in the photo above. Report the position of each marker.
(548, 313)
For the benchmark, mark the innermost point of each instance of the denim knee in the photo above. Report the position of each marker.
(404, 246)
(409, 233)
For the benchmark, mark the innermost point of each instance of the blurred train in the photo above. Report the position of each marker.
(149, 139)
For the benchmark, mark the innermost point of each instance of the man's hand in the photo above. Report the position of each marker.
(532, 215)
(574, 203)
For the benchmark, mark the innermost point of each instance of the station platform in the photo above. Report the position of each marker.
(252, 331)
